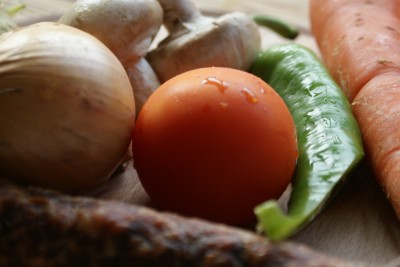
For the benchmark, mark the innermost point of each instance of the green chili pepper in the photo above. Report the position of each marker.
(280, 27)
(329, 140)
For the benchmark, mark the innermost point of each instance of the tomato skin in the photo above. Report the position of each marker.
(214, 143)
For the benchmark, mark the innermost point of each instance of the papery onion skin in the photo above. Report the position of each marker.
(66, 108)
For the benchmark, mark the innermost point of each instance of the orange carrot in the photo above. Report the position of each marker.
(360, 44)
(358, 39)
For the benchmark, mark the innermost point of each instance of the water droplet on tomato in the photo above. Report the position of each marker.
(223, 105)
(250, 96)
(221, 85)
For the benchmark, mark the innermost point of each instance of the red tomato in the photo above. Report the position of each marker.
(214, 143)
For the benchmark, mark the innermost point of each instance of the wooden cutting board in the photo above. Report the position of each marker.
(359, 223)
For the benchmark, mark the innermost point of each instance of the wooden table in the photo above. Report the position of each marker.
(359, 224)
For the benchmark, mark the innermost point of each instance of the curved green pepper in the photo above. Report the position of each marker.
(328, 136)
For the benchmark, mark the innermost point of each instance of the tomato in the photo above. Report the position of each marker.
(214, 143)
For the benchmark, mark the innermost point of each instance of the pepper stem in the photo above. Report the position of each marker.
(280, 27)
(276, 224)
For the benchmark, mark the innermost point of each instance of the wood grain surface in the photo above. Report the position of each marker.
(358, 224)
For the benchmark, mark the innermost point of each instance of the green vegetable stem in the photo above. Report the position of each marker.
(328, 136)
(6, 12)
(280, 27)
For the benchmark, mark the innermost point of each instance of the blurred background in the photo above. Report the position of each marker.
(291, 11)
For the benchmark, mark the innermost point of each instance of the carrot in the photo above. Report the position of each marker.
(359, 41)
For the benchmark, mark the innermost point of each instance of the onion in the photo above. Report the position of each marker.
(66, 108)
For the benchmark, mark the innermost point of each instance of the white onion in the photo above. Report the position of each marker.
(66, 108)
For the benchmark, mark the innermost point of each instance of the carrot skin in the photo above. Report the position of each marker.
(359, 42)
(358, 39)
(377, 109)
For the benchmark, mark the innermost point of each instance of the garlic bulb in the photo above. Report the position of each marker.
(66, 108)
(128, 28)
